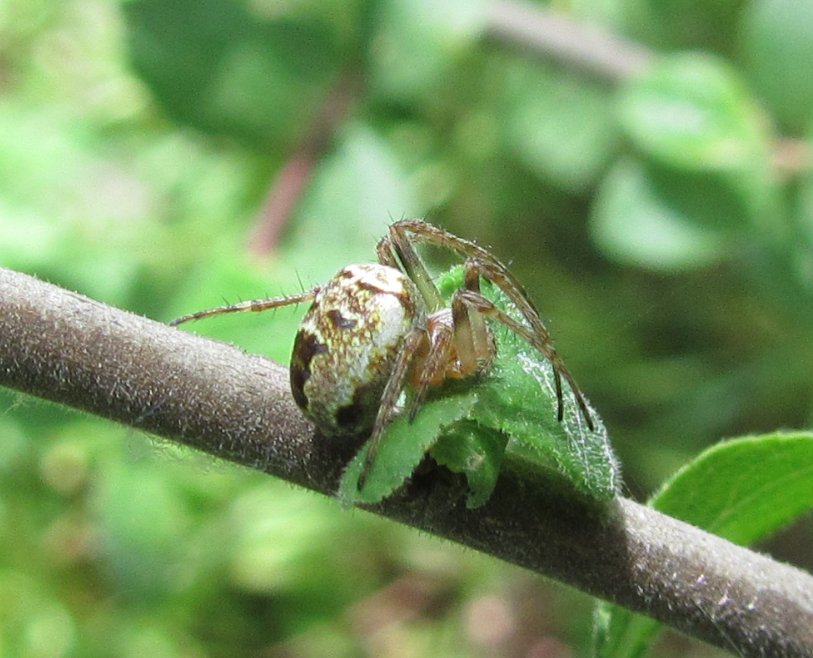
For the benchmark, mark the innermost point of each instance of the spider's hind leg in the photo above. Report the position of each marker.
(255, 305)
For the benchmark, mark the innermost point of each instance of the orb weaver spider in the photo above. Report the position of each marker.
(374, 329)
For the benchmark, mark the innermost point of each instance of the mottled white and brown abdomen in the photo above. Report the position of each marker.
(347, 345)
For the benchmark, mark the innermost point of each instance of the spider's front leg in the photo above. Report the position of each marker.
(488, 266)
(478, 303)
(474, 340)
(396, 250)
(460, 344)
(414, 342)
(428, 355)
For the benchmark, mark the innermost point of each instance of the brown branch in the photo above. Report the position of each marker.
(290, 183)
(588, 48)
(69, 349)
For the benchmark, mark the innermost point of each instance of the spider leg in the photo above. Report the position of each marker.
(383, 250)
(495, 272)
(488, 266)
(485, 306)
(475, 344)
(460, 344)
(396, 250)
(441, 336)
(389, 398)
(255, 305)
(463, 330)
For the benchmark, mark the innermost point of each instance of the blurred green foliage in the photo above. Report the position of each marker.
(664, 226)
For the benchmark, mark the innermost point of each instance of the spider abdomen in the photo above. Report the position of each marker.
(347, 344)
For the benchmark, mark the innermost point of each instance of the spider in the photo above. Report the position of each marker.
(375, 329)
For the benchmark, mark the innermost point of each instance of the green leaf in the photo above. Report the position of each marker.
(705, 148)
(402, 448)
(777, 46)
(558, 125)
(221, 67)
(693, 112)
(519, 399)
(475, 451)
(705, 142)
(744, 490)
(418, 41)
(637, 222)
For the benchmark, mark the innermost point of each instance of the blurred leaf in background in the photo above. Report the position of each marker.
(663, 223)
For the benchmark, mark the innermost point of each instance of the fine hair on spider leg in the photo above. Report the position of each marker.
(253, 305)
(396, 250)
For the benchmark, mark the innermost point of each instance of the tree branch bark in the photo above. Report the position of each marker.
(64, 347)
(591, 49)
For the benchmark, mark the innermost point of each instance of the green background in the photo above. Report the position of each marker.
(662, 223)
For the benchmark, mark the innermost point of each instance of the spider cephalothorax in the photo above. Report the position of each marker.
(374, 330)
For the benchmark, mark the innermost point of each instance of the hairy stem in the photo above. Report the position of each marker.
(64, 347)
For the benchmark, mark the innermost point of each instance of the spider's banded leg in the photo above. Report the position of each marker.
(396, 250)
(540, 337)
(430, 234)
(476, 303)
(471, 275)
(389, 398)
(383, 251)
(255, 305)
(475, 343)
(497, 274)
(487, 307)
(434, 365)
(488, 265)
(491, 268)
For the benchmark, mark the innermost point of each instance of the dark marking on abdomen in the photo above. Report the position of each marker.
(340, 321)
(306, 346)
